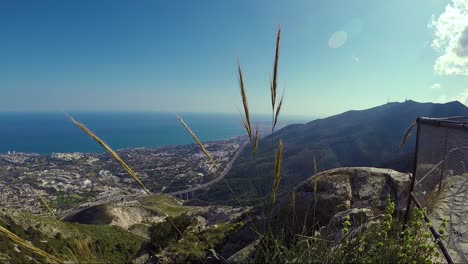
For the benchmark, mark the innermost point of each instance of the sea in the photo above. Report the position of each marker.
(49, 132)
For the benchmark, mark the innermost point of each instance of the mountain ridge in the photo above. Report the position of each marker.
(368, 137)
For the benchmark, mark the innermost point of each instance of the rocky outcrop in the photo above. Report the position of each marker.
(126, 216)
(245, 255)
(358, 191)
(114, 214)
(324, 200)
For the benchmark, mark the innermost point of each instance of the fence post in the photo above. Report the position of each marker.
(413, 178)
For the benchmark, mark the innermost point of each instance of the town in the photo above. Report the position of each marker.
(72, 180)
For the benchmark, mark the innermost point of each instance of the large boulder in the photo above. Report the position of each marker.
(315, 202)
(323, 201)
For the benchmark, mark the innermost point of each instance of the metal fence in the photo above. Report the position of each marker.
(440, 181)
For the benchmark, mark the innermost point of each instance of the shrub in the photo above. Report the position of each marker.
(380, 242)
(169, 230)
(387, 242)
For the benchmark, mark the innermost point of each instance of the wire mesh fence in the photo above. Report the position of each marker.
(440, 181)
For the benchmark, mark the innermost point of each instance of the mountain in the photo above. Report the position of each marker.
(354, 138)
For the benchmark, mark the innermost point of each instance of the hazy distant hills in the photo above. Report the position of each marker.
(354, 138)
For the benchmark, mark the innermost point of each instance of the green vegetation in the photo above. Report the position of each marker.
(21, 251)
(139, 229)
(382, 241)
(386, 242)
(186, 240)
(112, 243)
(163, 204)
(67, 200)
(206, 242)
(183, 238)
(161, 234)
(106, 244)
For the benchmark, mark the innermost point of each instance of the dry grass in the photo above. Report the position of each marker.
(22, 243)
(202, 148)
(117, 157)
(246, 117)
(292, 203)
(111, 152)
(131, 172)
(278, 109)
(435, 197)
(274, 85)
(208, 155)
(277, 178)
(405, 137)
(44, 202)
(82, 251)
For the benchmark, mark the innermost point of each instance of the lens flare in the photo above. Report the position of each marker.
(337, 39)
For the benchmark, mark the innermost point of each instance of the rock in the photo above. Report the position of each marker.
(321, 202)
(317, 200)
(141, 259)
(245, 255)
(358, 216)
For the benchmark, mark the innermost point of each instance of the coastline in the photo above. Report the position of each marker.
(69, 180)
(47, 133)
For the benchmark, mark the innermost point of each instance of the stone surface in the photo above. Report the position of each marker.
(141, 259)
(245, 255)
(322, 201)
(357, 217)
(317, 200)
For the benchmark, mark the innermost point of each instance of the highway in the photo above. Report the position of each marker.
(217, 179)
(83, 206)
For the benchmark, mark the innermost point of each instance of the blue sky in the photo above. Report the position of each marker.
(181, 55)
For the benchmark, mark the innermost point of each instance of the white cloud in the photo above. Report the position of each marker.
(451, 39)
(436, 86)
(462, 98)
(442, 99)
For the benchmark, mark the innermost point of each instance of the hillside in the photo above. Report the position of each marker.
(117, 233)
(354, 138)
(108, 244)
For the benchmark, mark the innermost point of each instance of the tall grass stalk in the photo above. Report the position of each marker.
(200, 145)
(277, 178)
(315, 191)
(112, 153)
(26, 245)
(246, 117)
(127, 168)
(210, 157)
(276, 109)
(82, 251)
(274, 85)
(253, 138)
(44, 202)
(405, 137)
